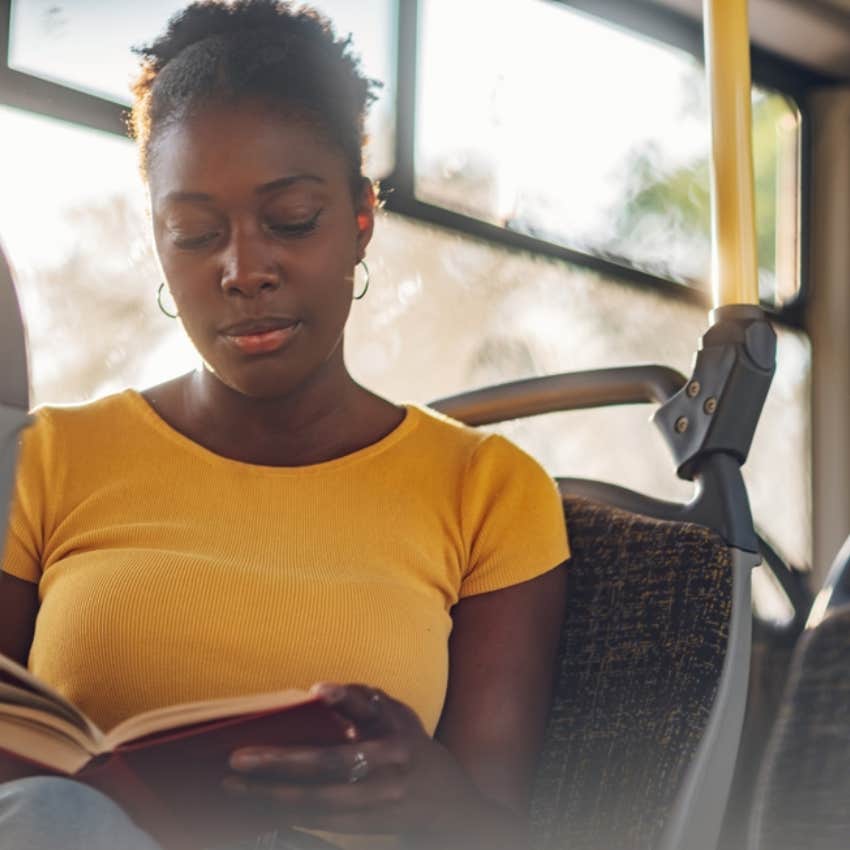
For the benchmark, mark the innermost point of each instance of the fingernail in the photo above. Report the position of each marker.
(246, 761)
(328, 691)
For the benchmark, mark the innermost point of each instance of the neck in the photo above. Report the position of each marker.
(298, 412)
(327, 417)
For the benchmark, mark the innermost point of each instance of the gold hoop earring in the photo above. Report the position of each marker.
(161, 305)
(366, 284)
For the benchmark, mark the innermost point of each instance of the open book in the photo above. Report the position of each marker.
(164, 766)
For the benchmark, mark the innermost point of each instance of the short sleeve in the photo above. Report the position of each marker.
(513, 519)
(30, 512)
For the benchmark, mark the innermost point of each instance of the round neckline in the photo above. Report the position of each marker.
(151, 417)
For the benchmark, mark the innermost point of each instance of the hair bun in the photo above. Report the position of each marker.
(215, 50)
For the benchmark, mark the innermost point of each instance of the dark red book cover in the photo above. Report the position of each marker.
(170, 782)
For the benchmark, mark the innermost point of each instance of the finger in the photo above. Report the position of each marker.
(321, 800)
(326, 765)
(384, 820)
(258, 807)
(373, 711)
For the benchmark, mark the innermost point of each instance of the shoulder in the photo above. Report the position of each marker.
(473, 444)
(490, 461)
(65, 419)
(58, 448)
(55, 429)
(481, 445)
(511, 515)
(71, 415)
(435, 425)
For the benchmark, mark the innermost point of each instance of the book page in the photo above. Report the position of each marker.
(33, 741)
(14, 695)
(188, 714)
(46, 720)
(24, 681)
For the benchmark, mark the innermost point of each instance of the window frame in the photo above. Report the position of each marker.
(33, 94)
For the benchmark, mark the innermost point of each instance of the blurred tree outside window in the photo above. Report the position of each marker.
(74, 220)
(579, 133)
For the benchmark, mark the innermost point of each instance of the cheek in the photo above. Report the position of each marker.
(195, 299)
(322, 278)
(188, 277)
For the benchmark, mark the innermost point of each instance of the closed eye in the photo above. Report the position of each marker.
(296, 228)
(190, 242)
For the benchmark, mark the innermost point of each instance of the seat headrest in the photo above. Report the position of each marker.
(14, 378)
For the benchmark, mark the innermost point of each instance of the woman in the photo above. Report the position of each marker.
(266, 522)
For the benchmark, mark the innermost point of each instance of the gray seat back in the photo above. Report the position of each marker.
(655, 655)
(804, 784)
(14, 388)
(640, 664)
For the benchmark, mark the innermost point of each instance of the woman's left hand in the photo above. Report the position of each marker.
(394, 779)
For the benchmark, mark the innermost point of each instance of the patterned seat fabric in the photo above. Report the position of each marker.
(802, 799)
(641, 654)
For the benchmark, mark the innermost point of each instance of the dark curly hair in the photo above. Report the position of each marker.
(218, 52)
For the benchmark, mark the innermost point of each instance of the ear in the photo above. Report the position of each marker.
(365, 216)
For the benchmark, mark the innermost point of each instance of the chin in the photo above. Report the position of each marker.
(263, 382)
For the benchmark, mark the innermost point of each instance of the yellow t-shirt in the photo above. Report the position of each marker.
(168, 573)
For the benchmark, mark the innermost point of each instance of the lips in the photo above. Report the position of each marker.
(259, 325)
(261, 336)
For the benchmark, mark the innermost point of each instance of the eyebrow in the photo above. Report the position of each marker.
(265, 189)
(286, 182)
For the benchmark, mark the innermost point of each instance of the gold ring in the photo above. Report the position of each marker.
(359, 769)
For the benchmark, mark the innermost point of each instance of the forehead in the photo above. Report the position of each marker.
(222, 150)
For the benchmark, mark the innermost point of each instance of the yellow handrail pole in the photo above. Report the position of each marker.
(734, 272)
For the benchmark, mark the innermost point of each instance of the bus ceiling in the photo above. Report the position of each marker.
(814, 33)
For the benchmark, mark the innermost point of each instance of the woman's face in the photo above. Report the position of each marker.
(258, 236)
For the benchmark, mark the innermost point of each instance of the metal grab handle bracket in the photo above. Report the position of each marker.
(719, 408)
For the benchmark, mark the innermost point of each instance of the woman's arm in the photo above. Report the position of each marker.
(18, 609)
(502, 659)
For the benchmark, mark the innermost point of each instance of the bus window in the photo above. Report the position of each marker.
(445, 312)
(109, 28)
(551, 138)
(72, 205)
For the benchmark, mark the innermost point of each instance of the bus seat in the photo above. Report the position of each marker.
(640, 661)
(646, 720)
(14, 386)
(801, 798)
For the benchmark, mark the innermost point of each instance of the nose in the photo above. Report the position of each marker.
(249, 268)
